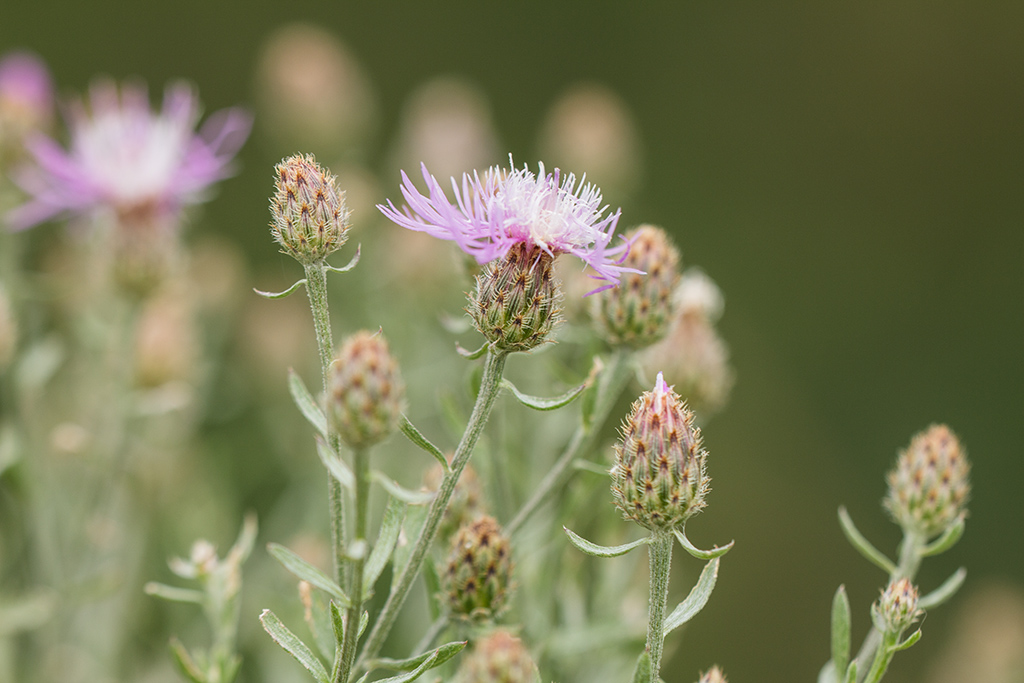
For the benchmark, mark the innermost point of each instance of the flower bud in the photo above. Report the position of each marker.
(929, 488)
(310, 218)
(896, 609)
(465, 504)
(659, 478)
(515, 305)
(713, 675)
(8, 331)
(498, 658)
(477, 575)
(637, 313)
(26, 101)
(365, 392)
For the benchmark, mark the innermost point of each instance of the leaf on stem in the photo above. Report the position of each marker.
(306, 403)
(863, 545)
(172, 593)
(471, 355)
(337, 467)
(351, 264)
(841, 630)
(602, 550)
(444, 653)
(695, 601)
(538, 403)
(428, 664)
(851, 673)
(293, 646)
(911, 639)
(943, 592)
(185, 664)
(400, 492)
(642, 672)
(280, 295)
(417, 438)
(697, 552)
(337, 624)
(947, 540)
(307, 572)
(387, 537)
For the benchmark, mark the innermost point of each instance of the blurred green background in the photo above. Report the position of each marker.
(852, 176)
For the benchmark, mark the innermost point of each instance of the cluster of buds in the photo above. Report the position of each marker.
(896, 609)
(929, 487)
(365, 392)
(515, 305)
(498, 658)
(310, 217)
(478, 572)
(638, 312)
(465, 504)
(659, 478)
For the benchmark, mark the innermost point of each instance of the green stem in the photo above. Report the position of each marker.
(361, 467)
(611, 384)
(490, 387)
(660, 553)
(882, 658)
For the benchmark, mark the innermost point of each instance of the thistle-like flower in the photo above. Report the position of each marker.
(478, 570)
(659, 478)
(637, 313)
(311, 219)
(498, 658)
(365, 392)
(896, 609)
(128, 163)
(928, 488)
(500, 209)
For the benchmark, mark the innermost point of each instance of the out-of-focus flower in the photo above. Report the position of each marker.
(896, 609)
(166, 341)
(365, 391)
(502, 208)
(126, 162)
(26, 99)
(499, 657)
(713, 675)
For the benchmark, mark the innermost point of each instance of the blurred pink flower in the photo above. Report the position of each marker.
(25, 84)
(127, 159)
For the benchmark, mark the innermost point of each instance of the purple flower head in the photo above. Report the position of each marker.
(25, 84)
(502, 208)
(126, 159)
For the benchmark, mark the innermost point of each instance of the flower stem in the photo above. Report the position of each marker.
(490, 387)
(361, 467)
(882, 658)
(613, 380)
(660, 553)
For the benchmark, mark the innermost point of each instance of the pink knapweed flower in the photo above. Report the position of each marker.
(128, 160)
(26, 91)
(501, 208)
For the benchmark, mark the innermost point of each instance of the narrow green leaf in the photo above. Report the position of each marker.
(862, 545)
(317, 618)
(306, 403)
(307, 572)
(280, 295)
(351, 264)
(946, 541)
(338, 623)
(911, 639)
(697, 552)
(417, 438)
(387, 537)
(828, 673)
(642, 672)
(173, 593)
(293, 646)
(538, 403)
(851, 673)
(428, 664)
(415, 517)
(471, 355)
(602, 550)
(400, 492)
(337, 467)
(185, 664)
(944, 592)
(363, 621)
(841, 630)
(695, 601)
(444, 653)
(588, 466)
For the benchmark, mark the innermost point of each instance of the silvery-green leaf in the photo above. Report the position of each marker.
(172, 593)
(862, 545)
(351, 264)
(943, 592)
(538, 403)
(841, 629)
(307, 572)
(444, 653)
(26, 612)
(695, 601)
(306, 403)
(946, 541)
(280, 295)
(387, 537)
(697, 552)
(602, 550)
(642, 672)
(472, 355)
(828, 673)
(185, 664)
(911, 639)
(337, 623)
(400, 492)
(337, 467)
(414, 435)
(293, 646)
(851, 673)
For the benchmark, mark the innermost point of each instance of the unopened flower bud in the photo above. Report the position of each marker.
(928, 489)
(8, 331)
(26, 101)
(515, 305)
(713, 675)
(659, 478)
(477, 575)
(310, 218)
(896, 609)
(498, 658)
(638, 312)
(365, 392)
(465, 504)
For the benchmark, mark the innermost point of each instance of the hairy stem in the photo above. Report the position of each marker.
(490, 387)
(361, 467)
(660, 553)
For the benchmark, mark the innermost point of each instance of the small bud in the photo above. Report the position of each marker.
(929, 488)
(465, 504)
(498, 658)
(638, 312)
(8, 331)
(477, 575)
(365, 392)
(26, 101)
(713, 675)
(310, 218)
(515, 305)
(659, 478)
(896, 609)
